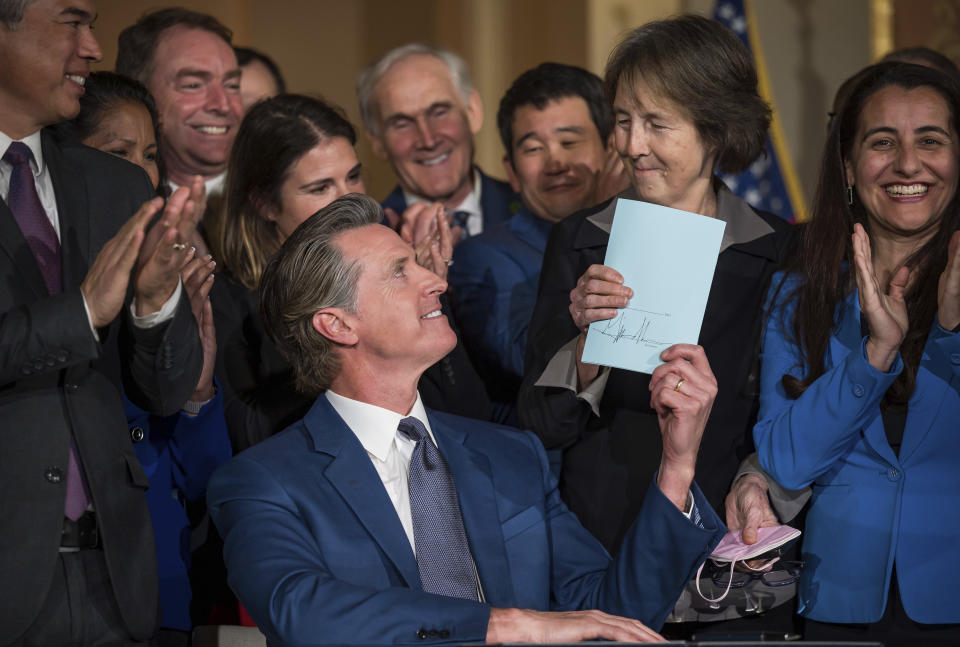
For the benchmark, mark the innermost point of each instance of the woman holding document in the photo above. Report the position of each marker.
(684, 94)
(861, 366)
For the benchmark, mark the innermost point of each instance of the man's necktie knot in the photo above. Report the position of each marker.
(460, 219)
(18, 153)
(31, 216)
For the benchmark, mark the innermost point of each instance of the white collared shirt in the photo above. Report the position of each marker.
(213, 186)
(388, 449)
(470, 204)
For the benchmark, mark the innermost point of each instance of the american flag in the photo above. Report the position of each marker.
(770, 184)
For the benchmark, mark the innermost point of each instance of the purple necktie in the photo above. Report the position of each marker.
(42, 239)
(30, 215)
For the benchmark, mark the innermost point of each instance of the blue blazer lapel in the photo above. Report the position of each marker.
(530, 229)
(845, 340)
(933, 379)
(355, 478)
(481, 518)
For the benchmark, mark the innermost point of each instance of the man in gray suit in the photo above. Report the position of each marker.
(78, 564)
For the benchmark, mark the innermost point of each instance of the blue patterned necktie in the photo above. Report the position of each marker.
(443, 553)
(42, 239)
(460, 219)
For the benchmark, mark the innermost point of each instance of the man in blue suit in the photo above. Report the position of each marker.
(420, 112)
(555, 125)
(376, 521)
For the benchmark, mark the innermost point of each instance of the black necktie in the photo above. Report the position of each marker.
(443, 553)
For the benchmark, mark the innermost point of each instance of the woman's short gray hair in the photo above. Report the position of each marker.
(371, 75)
(308, 274)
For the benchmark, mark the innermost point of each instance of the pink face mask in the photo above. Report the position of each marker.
(732, 549)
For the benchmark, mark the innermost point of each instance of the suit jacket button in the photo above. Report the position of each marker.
(71, 387)
(26, 370)
(38, 365)
(53, 474)
(422, 634)
(136, 434)
(63, 356)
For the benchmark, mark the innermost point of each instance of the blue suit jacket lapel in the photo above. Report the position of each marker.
(847, 340)
(530, 229)
(478, 503)
(355, 478)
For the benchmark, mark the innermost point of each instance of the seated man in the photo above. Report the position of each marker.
(375, 521)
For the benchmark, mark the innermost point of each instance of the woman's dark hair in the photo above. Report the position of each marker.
(248, 55)
(701, 66)
(824, 261)
(274, 134)
(105, 91)
(924, 56)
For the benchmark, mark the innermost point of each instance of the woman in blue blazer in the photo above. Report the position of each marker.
(861, 368)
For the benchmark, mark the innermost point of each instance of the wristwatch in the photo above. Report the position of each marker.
(193, 407)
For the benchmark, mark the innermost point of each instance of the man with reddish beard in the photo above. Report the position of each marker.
(554, 123)
(374, 520)
(78, 565)
(186, 61)
(420, 112)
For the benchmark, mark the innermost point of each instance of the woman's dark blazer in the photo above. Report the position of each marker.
(609, 458)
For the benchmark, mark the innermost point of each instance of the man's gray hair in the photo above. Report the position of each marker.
(371, 75)
(11, 12)
(308, 274)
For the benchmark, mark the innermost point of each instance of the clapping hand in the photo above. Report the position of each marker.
(434, 250)
(948, 292)
(163, 253)
(197, 277)
(885, 312)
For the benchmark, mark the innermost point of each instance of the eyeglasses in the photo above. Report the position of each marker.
(787, 573)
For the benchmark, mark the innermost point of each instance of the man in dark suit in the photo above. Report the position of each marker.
(420, 112)
(376, 521)
(78, 564)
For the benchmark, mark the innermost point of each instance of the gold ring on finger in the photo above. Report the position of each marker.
(679, 384)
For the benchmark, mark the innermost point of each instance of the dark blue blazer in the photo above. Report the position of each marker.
(316, 553)
(493, 286)
(497, 200)
(178, 454)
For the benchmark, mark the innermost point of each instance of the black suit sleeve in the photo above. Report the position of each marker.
(161, 364)
(556, 415)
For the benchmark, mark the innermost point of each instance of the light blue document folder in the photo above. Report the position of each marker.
(667, 257)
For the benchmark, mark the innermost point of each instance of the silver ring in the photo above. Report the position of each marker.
(448, 261)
